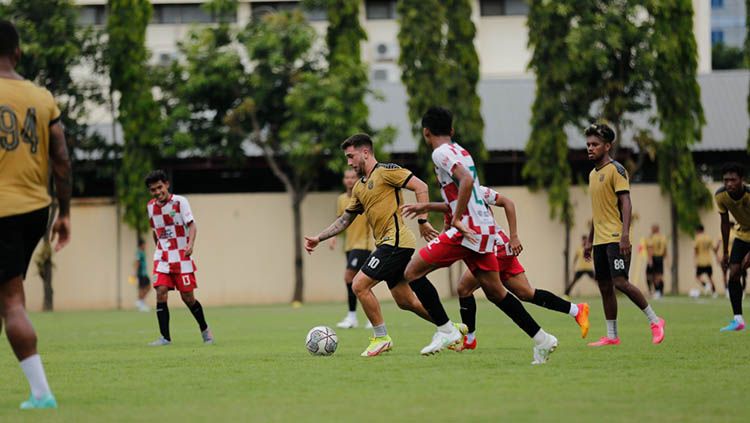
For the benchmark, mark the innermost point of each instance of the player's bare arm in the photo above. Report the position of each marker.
(193, 232)
(61, 170)
(510, 214)
(627, 210)
(338, 226)
(725, 228)
(465, 185)
(421, 192)
(587, 246)
(413, 210)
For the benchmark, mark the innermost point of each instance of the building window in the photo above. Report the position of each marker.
(503, 7)
(186, 14)
(92, 15)
(717, 4)
(717, 37)
(262, 8)
(380, 9)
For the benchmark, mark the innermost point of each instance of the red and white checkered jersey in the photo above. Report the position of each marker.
(170, 224)
(478, 215)
(491, 197)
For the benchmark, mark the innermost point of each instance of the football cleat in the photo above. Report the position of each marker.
(441, 340)
(159, 342)
(733, 326)
(33, 403)
(605, 341)
(657, 331)
(582, 318)
(378, 345)
(544, 350)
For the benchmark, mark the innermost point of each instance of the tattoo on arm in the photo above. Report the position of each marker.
(338, 226)
(61, 168)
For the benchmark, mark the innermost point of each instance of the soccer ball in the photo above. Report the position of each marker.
(321, 340)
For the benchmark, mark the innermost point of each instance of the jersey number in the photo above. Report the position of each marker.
(619, 264)
(11, 134)
(477, 200)
(374, 262)
(186, 280)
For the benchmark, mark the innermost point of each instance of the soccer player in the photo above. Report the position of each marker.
(734, 197)
(703, 248)
(141, 275)
(610, 234)
(358, 244)
(378, 195)
(174, 232)
(582, 266)
(656, 247)
(472, 237)
(32, 142)
(512, 273)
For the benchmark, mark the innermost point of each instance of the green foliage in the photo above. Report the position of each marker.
(727, 57)
(547, 150)
(747, 58)
(461, 56)
(679, 109)
(138, 112)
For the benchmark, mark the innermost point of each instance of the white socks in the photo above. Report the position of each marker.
(352, 315)
(612, 329)
(540, 337)
(738, 318)
(573, 310)
(380, 330)
(649, 312)
(446, 328)
(32, 367)
(470, 337)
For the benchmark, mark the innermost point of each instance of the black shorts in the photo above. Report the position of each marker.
(609, 263)
(579, 274)
(704, 270)
(143, 281)
(356, 258)
(657, 266)
(740, 249)
(19, 235)
(387, 263)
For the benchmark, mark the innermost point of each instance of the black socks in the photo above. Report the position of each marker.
(162, 314)
(514, 309)
(551, 301)
(197, 310)
(351, 297)
(468, 312)
(430, 299)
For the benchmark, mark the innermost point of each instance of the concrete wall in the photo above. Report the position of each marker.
(244, 250)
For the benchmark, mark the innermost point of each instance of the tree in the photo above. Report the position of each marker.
(461, 56)
(679, 115)
(547, 166)
(52, 47)
(201, 88)
(727, 57)
(295, 113)
(747, 58)
(138, 112)
(423, 72)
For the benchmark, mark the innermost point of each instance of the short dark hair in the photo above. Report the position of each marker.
(733, 167)
(357, 141)
(601, 131)
(141, 241)
(155, 176)
(699, 228)
(8, 38)
(438, 120)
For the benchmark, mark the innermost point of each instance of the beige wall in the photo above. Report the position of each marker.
(244, 250)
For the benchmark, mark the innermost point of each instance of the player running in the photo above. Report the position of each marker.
(734, 197)
(512, 273)
(358, 244)
(377, 195)
(174, 232)
(582, 267)
(610, 234)
(656, 247)
(32, 137)
(472, 237)
(703, 246)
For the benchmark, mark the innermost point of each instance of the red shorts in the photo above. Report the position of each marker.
(183, 282)
(509, 266)
(443, 252)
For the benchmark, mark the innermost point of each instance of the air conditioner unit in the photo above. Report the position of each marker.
(166, 58)
(384, 72)
(386, 52)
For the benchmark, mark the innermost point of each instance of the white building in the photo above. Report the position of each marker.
(728, 22)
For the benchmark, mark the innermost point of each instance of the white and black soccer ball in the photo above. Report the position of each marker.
(321, 340)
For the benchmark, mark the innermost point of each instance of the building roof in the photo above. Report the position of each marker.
(506, 109)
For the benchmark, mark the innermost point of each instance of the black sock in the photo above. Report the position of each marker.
(162, 314)
(430, 299)
(351, 297)
(514, 309)
(468, 312)
(197, 310)
(735, 296)
(551, 301)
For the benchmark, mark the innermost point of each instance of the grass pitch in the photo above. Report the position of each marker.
(101, 369)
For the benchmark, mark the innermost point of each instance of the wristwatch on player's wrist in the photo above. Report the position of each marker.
(421, 221)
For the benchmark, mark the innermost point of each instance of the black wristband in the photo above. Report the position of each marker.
(421, 221)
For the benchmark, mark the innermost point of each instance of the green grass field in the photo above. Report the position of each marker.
(101, 369)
